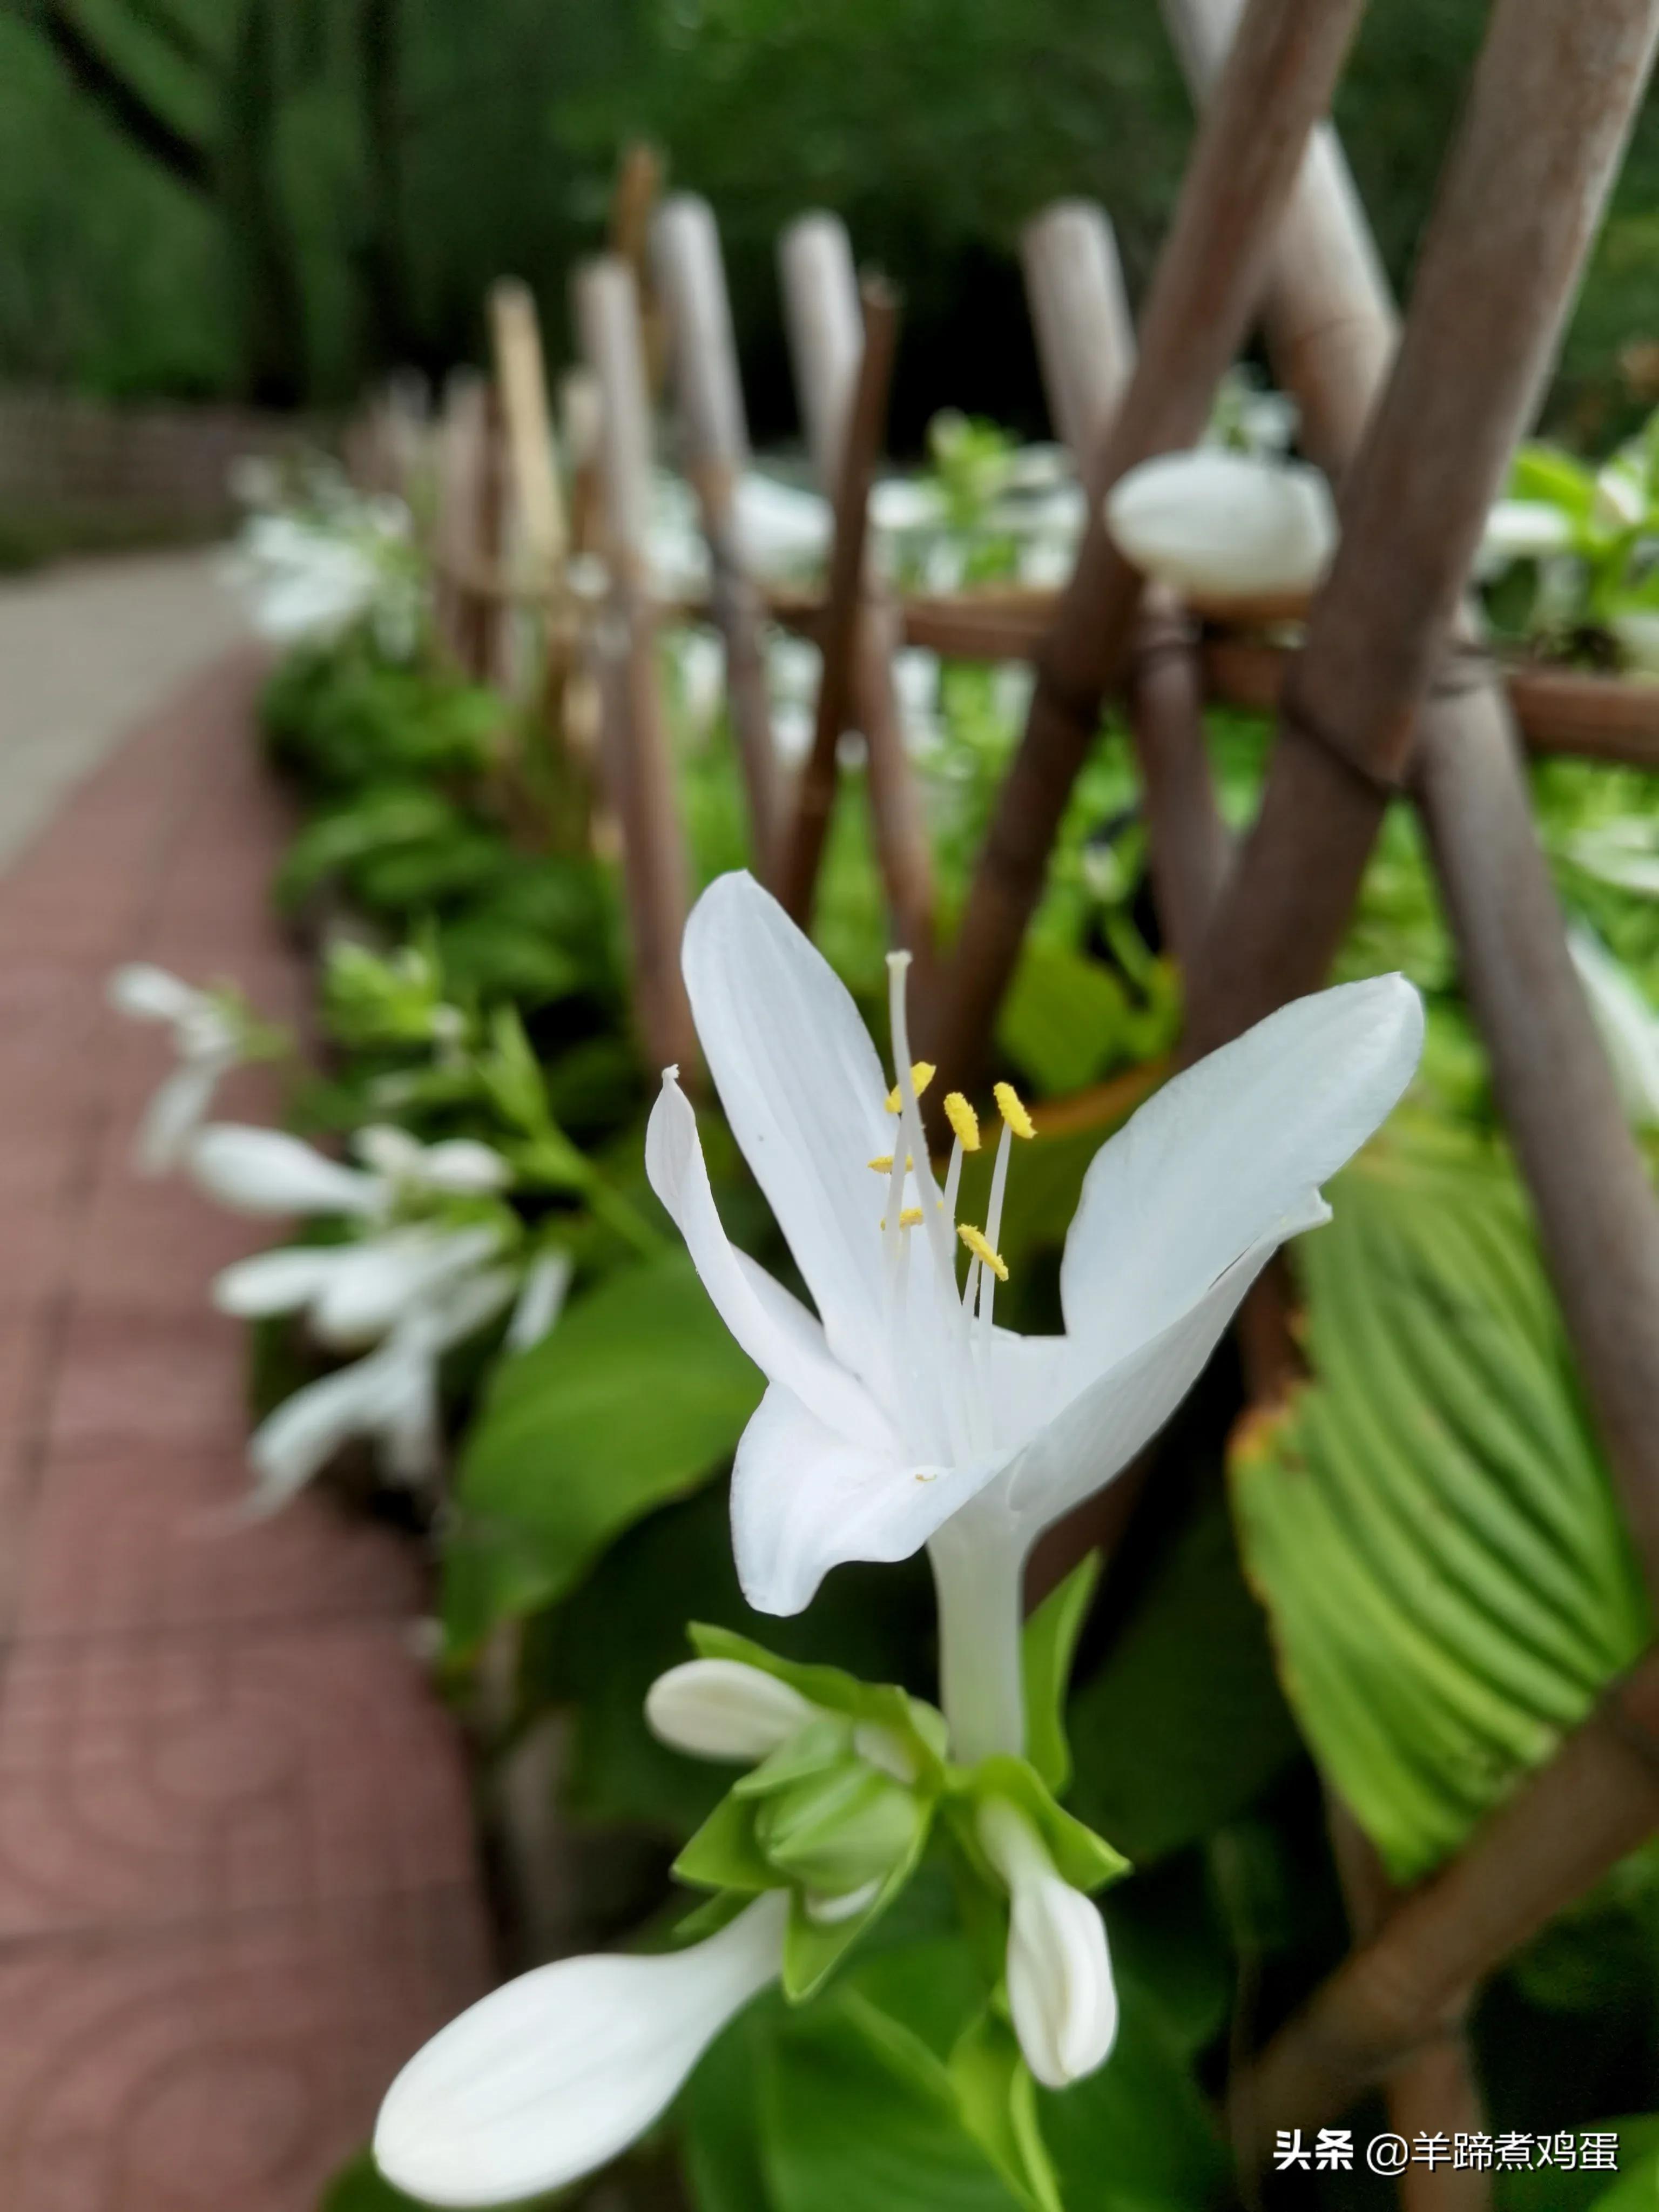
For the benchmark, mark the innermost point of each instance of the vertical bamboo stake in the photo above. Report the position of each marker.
(803, 849)
(461, 527)
(826, 343)
(1276, 83)
(521, 378)
(1086, 350)
(634, 743)
(703, 360)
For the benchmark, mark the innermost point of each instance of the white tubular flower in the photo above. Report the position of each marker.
(302, 580)
(720, 1708)
(1522, 530)
(1061, 1990)
(1628, 1027)
(552, 2076)
(1219, 526)
(352, 1294)
(391, 1397)
(781, 528)
(541, 1300)
(207, 1045)
(268, 1171)
(899, 1415)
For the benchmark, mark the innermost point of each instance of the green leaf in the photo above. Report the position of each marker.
(637, 1397)
(724, 1854)
(1050, 1642)
(856, 2111)
(997, 2098)
(719, 2115)
(1084, 1859)
(1062, 1017)
(1184, 1723)
(1633, 2188)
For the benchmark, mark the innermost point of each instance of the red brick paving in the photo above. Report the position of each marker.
(237, 1879)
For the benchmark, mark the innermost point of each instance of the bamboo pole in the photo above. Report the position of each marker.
(826, 343)
(464, 528)
(521, 378)
(1276, 83)
(1396, 2009)
(703, 362)
(1086, 351)
(635, 748)
(861, 442)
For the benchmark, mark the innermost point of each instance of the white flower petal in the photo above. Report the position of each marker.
(1627, 1025)
(551, 2077)
(268, 1171)
(804, 1500)
(176, 1112)
(1522, 530)
(804, 1092)
(720, 1708)
(784, 1342)
(150, 994)
(1061, 1990)
(463, 1166)
(296, 1442)
(541, 1300)
(277, 1282)
(378, 1280)
(1219, 526)
(1227, 1151)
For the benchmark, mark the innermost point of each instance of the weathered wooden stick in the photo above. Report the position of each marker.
(468, 514)
(521, 378)
(860, 443)
(1276, 83)
(1085, 349)
(1331, 324)
(638, 766)
(703, 362)
(1596, 1802)
(826, 341)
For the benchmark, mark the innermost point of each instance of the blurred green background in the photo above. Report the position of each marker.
(276, 199)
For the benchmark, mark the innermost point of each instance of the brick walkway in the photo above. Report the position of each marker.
(237, 1879)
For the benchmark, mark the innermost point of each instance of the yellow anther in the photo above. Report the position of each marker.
(979, 1245)
(963, 1119)
(883, 1163)
(1013, 1113)
(911, 1217)
(922, 1073)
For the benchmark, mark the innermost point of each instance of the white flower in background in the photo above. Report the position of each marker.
(1628, 1026)
(268, 1171)
(307, 577)
(1622, 497)
(352, 1294)
(722, 1708)
(1061, 1990)
(208, 1042)
(541, 1300)
(782, 528)
(1216, 526)
(1624, 851)
(915, 684)
(1522, 530)
(391, 1397)
(793, 669)
(697, 657)
(898, 1415)
(550, 2077)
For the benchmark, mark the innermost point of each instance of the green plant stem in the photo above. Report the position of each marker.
(979, 1576)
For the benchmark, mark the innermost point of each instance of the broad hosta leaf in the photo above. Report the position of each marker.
(1430, 1523)
(637, 1397)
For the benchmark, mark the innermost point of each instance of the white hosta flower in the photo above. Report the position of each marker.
(915, 683)
(301, 580)
(1628, 1026)
(268, 1171)
(698, 657)
(1061, 1990)
(391, 1397)
(1219, 525)
(1624, 851)
(1621, 493)
(553, 2075)
(720, 1708)
(209, 1045)
(541, 1300)
(899, 1415)
(793, 670)
(1522, 530)
(781, 528)
(352, 1294)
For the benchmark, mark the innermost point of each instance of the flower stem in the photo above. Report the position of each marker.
(978, 1574)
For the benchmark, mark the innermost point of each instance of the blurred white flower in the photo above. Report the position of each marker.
(391, 1397)
(1624, 852)
(1219, 526)
(792, 667)
(915, 683)
(550, 2077)
(1621, 493)
(1522, 530)
(541, 1300)
(1061, 1991)
(208, 1042)
(782, 528)
(268, 1171)
(720, 1708)
(1628, 1026)
(697, 657)
(308, 577)
(352, 1294)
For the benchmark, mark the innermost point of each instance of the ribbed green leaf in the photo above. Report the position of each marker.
(1430, 1523)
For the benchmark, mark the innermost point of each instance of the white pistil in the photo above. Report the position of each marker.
(988, 1281)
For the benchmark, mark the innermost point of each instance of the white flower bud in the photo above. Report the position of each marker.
(1216, 526)
(720, 1708)
(1060, 1973)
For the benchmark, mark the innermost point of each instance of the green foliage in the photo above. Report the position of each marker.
(1430, 1522)
(637, 1397)
(341, 717)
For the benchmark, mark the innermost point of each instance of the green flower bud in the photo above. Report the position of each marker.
(835, 1832)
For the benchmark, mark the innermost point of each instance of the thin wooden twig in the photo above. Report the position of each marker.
(703, 361)
(1278, 81)
(466, 526)
(861, 441)
(521, 378)
(826, 343)
(635, 748)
